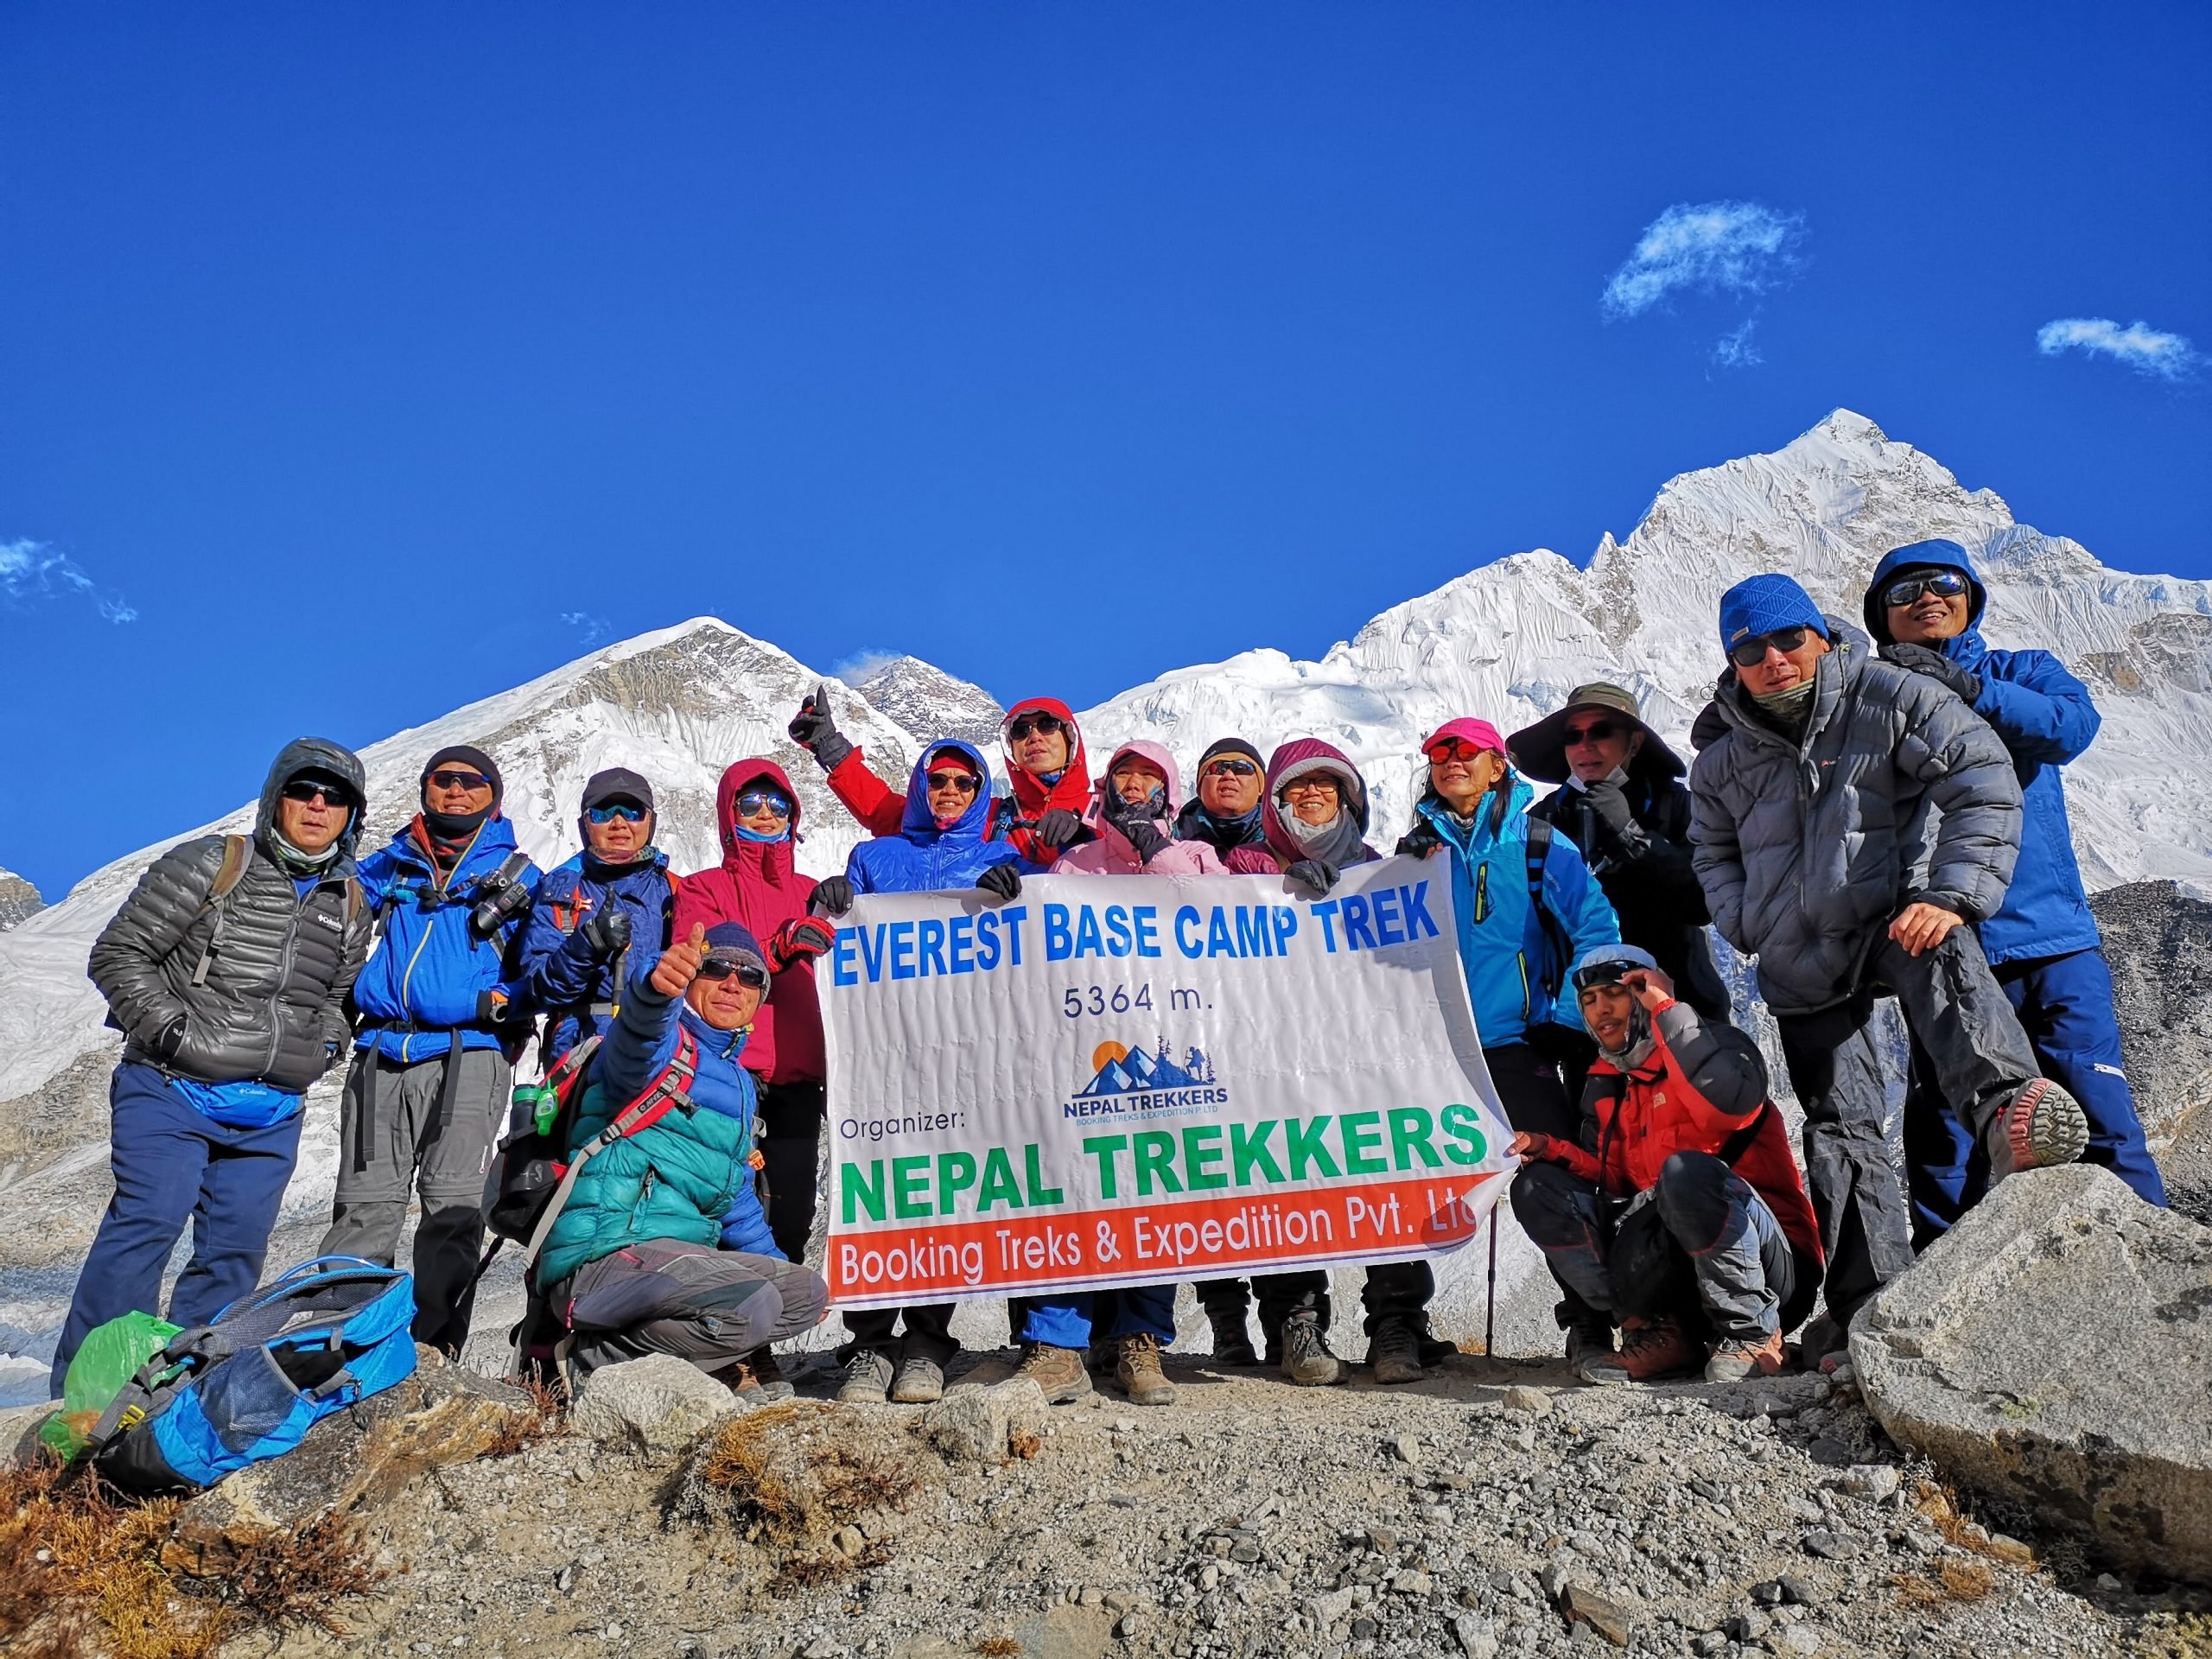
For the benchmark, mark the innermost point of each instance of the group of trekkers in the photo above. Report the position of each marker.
(1874, 813)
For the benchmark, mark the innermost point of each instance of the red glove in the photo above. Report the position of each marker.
(801, 940)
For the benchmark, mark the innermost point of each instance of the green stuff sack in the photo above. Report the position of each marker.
(111, 1355)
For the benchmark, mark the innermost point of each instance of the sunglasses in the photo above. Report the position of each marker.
(1606, 973)
(966, 782)
(1230, 769)
(1944, 584)
(1452, 749)
(1604, 732)
(1752, 651)
(445, 779)
(607, 812)
(1048, 724)
(1312, 786)
(310, 789)
(763, 800)
(750, 973)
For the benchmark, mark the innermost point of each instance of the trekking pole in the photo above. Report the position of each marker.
(1490, 1311)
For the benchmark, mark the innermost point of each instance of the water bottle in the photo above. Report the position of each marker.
(537, 1104)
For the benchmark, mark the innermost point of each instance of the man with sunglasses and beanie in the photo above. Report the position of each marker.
(1925, 607)
(227, 971)
(1622, 802)
(941, 845)
(1045, 765)
(1227, 812)
(440, 1025)
(758, 885)
(662, 1248)
(1676, 1209)
(1853, 820)
(613, 901)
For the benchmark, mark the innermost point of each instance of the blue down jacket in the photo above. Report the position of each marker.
(559, 974)
(430, 973)
(922, 858)
(2045, 719)
(1511, 963)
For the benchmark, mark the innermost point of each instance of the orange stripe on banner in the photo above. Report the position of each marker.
(1138, 1243)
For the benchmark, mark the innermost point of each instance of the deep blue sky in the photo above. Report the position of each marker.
(353, 346)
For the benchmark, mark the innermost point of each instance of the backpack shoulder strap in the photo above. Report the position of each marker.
(228, 874)
(1535, 849)
(668, 1092)
(1005, 811)
(668, 910)
(1740, 1142)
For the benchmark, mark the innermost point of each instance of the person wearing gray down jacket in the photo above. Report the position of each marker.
(227, 971)
(1851, 821)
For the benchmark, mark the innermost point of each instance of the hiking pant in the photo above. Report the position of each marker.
(2065, 1005)
(1978, 1058)
(172, 1164)
(1065, 1321)
(406, 1140)
(712, 1307)
(1306, 1290)
(1701, 1239)
(929, 1332)
(791, 1146)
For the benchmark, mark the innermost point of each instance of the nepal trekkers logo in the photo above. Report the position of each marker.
(1129, 1082)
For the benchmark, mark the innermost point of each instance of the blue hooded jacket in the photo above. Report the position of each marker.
(430, 972)
(2044, 718)
(558, 973)
(1502, 941)
(922, 858)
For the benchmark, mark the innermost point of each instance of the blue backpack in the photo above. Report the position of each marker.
(248, 1387)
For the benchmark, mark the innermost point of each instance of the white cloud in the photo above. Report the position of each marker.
(1736, 349)
(1736, 247)
(32, 571)
(2143, 348)
(862, 663)
(592, 629)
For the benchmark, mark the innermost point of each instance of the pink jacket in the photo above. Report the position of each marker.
(1111, 853)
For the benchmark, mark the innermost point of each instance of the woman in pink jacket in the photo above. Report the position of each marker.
(1131, 816)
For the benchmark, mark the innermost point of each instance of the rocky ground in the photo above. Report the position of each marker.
(1494, 1510)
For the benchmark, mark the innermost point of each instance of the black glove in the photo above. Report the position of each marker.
(1135, 823)
(1059, 827)
(171, 1040)
(1420, 841)
(813, 730)
(1609, 801)
(833, 896)
(1922, 659)
(606, 932)
(1318, 873)
(1003, 880)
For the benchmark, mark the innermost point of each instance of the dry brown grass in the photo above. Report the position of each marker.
(80, 1573)
(997, 1647)
(1939, 1506)
(547, 1418)
(1951, 1581)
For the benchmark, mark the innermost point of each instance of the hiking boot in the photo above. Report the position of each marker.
(1735, 1358)
(867, 1378)
(1306, 1360)
(1824, 1344)
(1138, 1371)
(1649, 1348)
(757, 1381)
(921, 1380)
(1591, 1343)
(1232, 1338)
(2043, 1126)
(1394, 1353)
(1060, 1372)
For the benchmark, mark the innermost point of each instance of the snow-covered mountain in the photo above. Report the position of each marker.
(19, 899)
(932, 703)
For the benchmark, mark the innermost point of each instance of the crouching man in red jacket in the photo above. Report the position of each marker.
(1681, 1216)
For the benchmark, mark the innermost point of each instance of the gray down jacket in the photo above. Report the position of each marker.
(1898, 792)
(271, 1004)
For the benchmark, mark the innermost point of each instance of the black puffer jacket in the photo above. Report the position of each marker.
(1898, 791)
(271, 1005)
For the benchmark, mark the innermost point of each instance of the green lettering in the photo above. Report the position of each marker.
(1409, 1132)
(1102, 1148)
(1303, 1145)
(1197, 1155)
(1154, 1151)
(955, 1173)
(862, 1192)
(1248, 1151)
(910, 1185)
(1464, 1125)
(1039, 1194)
(1362, 1138)
(999, 1185)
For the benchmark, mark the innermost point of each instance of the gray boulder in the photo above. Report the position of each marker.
(988, 1422)
(2055, 1347)
(656, 1406)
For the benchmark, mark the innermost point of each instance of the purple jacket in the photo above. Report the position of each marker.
(1305, 755)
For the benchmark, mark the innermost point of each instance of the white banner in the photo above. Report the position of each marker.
(1123, 1079)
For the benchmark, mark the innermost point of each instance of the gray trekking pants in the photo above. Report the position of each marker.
(1960, 1018)
(404, 1143)
(712, 1307)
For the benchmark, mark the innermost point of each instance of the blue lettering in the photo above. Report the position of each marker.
(1418, 922)
(1058, 945)
(1089, 942)
(902, 950)
(1326, 910)
(1383, 901)
(1218, 940)
(1357, 935)
(840, 958)
(1118, 943)
(987, 940)
(1186, 932)
(963, 943)
(1147, 920)
(932, 947)
(871, 960)
(1251, 931)
(1286, 924)
(1013, 916)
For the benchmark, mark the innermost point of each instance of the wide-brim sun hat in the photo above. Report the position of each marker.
(1540, 750)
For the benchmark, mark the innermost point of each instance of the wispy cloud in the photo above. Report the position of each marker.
(862, 663)
(1732, 247)
(1736, 349)
(2143, 348)
(590, 629)
(33, 571)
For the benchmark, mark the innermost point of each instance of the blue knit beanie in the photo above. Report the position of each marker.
(734, 941)
(1767, 604)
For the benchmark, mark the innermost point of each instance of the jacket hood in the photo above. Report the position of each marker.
(1031, 793)
(1295, 759)
(1936, 551)
(774, 859)
(918, 826)
(1511, 798)
(313, 754)
(1096, 816)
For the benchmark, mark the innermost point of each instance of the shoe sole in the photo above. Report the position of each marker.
(849, 1396)
(2045, 1126)
(1161, 1394)
(917, 1394)
(1396, 1374)
(1336, 1374)
(1067, 1396)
